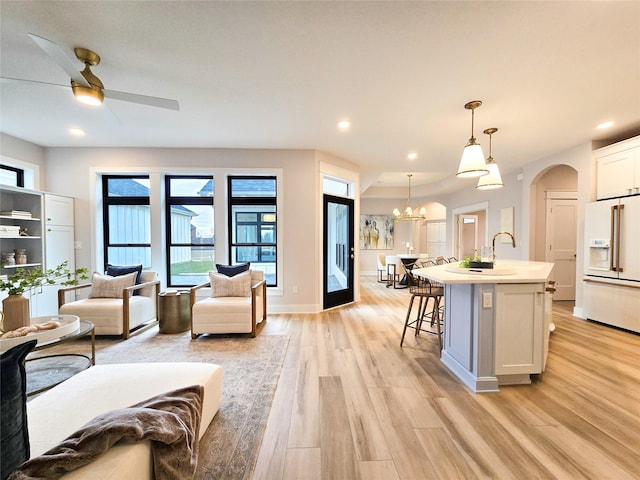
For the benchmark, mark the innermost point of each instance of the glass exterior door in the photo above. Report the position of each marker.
(339, 255)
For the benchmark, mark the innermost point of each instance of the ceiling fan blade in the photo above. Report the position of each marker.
(37, 82)
(58, 56)
(143, 99)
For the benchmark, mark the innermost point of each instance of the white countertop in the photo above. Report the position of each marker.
(505, 271)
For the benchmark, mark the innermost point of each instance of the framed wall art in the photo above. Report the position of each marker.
(376, 232)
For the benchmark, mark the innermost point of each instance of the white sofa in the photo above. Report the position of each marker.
(59, 412)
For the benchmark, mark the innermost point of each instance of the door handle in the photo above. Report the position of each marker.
(619, 268)
(614, 209)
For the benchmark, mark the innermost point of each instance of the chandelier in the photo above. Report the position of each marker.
(408, 214)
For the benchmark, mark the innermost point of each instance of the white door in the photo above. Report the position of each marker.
(467, 236)
(561, 227)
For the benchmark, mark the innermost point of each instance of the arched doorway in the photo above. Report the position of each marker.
(554, 238)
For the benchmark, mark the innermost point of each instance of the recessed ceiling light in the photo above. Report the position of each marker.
(412, 156)
(605, 125)
(78, 132)
(344, 124)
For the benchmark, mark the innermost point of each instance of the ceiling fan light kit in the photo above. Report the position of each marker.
(472, 164)
(86, 87)
(91, 94)
(493, 179)
(87, 95)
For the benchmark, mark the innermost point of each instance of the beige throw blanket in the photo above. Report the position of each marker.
(171, 422)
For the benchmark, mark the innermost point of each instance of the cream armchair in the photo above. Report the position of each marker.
(237, 304)
(115, 316)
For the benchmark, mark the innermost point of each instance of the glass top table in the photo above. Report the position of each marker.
(45, 371)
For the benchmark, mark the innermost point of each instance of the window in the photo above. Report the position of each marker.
(11, 176)
(127, 220)
(334, 186)
(190, 229)
(253, 223)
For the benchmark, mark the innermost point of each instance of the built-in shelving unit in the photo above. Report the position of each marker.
(26, 207)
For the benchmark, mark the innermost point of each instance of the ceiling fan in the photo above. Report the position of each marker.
(87, 87)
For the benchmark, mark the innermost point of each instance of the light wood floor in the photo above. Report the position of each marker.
(352, 404)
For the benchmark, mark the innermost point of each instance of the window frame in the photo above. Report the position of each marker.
(107, 201)
(184, 200)
(19, 174)
(234, 201)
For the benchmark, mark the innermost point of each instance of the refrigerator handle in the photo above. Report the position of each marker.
(619, 268)
(614, 209)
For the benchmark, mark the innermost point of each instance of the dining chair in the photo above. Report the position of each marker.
(395, 271)
(382, 269)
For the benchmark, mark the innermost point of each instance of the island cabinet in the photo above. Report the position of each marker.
(495, 323)
(520, 331)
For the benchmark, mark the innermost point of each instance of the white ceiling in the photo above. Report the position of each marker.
(282, 74)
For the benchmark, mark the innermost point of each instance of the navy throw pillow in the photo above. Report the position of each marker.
(14, 435)
(232, 270)
(117, 270)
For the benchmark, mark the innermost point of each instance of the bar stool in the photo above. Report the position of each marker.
(424, 289)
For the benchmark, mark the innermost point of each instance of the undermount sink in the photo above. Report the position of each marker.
(499, 270)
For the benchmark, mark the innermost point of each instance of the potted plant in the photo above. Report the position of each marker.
(15, 307)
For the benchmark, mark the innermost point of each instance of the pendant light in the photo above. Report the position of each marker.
(472, 163)
(408, 214)
(493, 179)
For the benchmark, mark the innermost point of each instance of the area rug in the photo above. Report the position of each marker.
(252, 366)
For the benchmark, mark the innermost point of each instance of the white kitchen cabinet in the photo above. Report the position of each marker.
(59, 240)
(618, 169)
(59, 231)
(520, 328)
(58, 209)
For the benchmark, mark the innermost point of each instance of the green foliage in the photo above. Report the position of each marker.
(24, 279)
(465, 262)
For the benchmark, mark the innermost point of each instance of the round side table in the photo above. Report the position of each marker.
(174, 311)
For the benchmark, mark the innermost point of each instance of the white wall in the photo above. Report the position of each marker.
(581, 159)
(413, 232)
(69, 172)
(72, 171)
(25, 155)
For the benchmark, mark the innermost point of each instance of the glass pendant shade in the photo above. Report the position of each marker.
(492, 179)
(472, 163)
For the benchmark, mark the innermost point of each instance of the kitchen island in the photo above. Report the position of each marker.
(496, 321)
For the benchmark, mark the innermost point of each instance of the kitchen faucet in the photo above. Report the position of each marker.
(493, 243)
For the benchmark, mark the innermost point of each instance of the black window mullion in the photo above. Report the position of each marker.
(249, 198)
(183, 201)
(109, 200)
